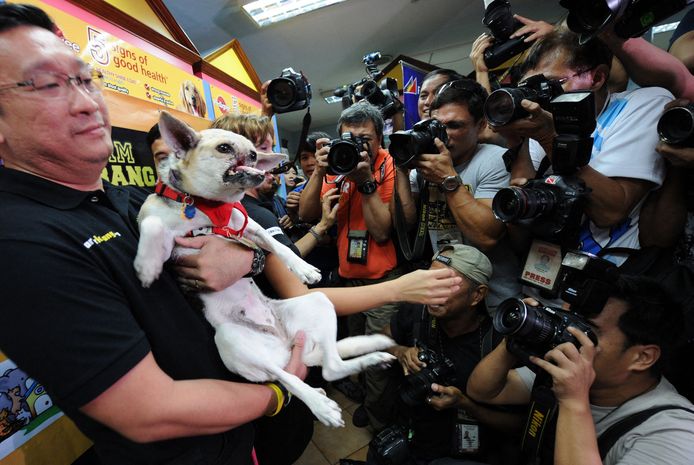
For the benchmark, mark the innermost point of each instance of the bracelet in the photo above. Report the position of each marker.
(283, 397)
(315, 234)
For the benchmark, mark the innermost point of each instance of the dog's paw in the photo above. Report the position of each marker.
(308, 274)
(378, 359)
(147, 270)
(328, 412)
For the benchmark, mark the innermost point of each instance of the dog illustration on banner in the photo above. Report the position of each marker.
(192, 100)
(21, 400)
(201, 184)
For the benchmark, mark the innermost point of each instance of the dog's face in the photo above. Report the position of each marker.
(192, 99)
(214, 164)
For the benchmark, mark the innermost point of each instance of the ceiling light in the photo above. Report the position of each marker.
(332, 99)
(266, 12)
(665, 27)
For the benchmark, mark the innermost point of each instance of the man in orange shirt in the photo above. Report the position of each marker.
(366, 250)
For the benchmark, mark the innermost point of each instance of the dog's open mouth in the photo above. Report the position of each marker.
(244, 175)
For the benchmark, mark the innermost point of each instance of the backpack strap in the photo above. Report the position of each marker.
(623, 426)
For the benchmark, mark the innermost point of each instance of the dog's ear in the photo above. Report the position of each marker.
(177, 134)
(268, 161)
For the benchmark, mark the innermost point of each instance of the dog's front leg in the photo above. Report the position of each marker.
(153, 249)
(307, 273)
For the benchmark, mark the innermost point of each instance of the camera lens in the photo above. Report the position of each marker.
(676, 126)
(343, 157)
(499, 19)
(503, 106)
(529, 324)
(404, 147)
(517, 203)
(282, 93)
(372, 93)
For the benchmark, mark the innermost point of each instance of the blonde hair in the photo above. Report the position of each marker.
(252, 127)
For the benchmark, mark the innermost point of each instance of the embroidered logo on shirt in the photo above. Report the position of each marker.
(95, 240)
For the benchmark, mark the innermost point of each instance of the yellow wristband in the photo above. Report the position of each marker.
(280, 398)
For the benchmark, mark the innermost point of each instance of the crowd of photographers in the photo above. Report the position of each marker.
(559, 186)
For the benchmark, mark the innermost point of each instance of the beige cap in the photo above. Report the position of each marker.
(466, 260)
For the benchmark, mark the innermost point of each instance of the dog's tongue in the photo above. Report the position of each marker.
(249, 170)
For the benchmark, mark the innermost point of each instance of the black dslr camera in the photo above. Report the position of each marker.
(417, 386)
(345, 153)
(289, 92)
(501, 23)
(405, 146)
(631, 18)
(390, 447)
(676, 126)
(504, 105)
(536, 330)
(383, 95)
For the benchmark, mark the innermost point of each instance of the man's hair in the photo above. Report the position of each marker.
(360, 113)
(252, 127)
(580, 57)
(153, 134)
(312, 139)
(14, 15)
(651, 317)
(449, 74)
(463, 92)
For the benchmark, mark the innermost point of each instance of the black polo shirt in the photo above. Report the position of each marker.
(76, 318)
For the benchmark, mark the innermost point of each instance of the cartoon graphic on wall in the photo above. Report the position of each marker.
(192, 100)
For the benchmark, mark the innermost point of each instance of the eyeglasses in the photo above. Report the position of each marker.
(567, 78)
(57, 85)
(460, 84)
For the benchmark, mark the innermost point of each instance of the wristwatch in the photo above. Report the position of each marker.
(367, 187)
(451, 183)
(258, 263)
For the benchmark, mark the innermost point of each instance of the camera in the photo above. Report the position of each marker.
(417, 386)
(504, 105)
(501, 23)
(632, 18)
(390, 447)
(551, 207)
(536, 330)
(345, 153)
(289, 92)
(383, 95)
(676, 126)
(405, 146)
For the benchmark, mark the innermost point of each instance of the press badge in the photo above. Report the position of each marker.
(542, 265)
(467, 435)
(358, 243)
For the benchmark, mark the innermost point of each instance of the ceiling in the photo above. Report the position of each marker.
(328, 44)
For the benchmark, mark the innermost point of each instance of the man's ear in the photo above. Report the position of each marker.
(644, 356)
(479, 294)
(600, 76)
(177, 134)
(268, 161)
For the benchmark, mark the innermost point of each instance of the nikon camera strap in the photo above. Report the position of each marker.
(409, 251)
(541, 421)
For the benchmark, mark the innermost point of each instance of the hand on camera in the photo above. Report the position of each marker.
(362, 173)
(322, 150)
(482, 43)
(436, 167)
(407, 356)
(536, 29)
(265, 105)
(446, 397)
(538, 125)
(571, 369)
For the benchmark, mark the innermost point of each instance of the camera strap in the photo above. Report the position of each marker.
(305, 126)
(541, 421)
(412, 252)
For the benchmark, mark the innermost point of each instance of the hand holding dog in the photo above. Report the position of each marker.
(210, 269)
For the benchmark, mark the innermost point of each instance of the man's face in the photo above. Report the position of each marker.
(366, 131)
(427, 94)
(554, 67)
(307, 160)
(612, 361)
(460, 302)
(56, 137)
(160, 151)
(461, 128)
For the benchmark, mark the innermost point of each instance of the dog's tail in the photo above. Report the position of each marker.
(359, 345)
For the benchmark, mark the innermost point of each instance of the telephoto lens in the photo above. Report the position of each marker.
(676, 126)
(532, 324)
(504, 105)
(512, 204)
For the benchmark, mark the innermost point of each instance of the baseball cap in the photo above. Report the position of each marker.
(466, 260)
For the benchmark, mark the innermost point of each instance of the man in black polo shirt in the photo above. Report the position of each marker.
(136, 369)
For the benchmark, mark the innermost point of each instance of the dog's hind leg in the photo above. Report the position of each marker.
(153, 249)
(335, 368)
(358, 345)
(326, 410)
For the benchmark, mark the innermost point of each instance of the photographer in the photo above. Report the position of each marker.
(457, 185)
(460, 332)
(624, 165)
(596, 386)
(365, 249)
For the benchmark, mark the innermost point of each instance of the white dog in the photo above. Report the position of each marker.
(254, 334)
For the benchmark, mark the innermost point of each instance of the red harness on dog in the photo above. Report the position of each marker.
(218, 212)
